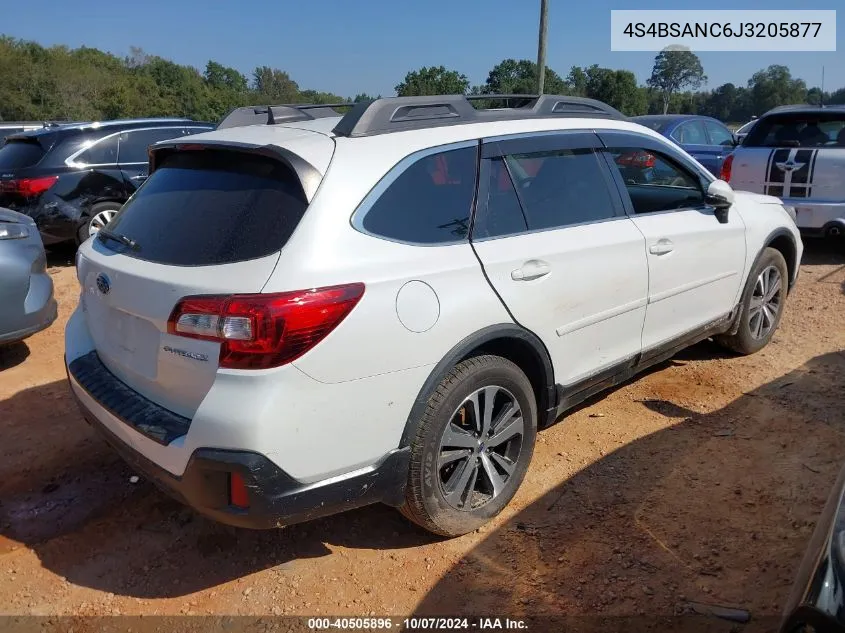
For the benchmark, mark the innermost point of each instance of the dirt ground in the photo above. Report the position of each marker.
(700, 481)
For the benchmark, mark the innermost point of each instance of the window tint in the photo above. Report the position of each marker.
(134, 143)
(798, 130)
(103, 152)
(654, 182)
(18, 154)
(718, 134)
(211, 207)
(560, 188)
(430, 202)
(691, 133)
(502, 215)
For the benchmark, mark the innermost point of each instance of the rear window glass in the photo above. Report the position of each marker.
(798, 130)
(201, 208)
(429, 203)
(19, 154)
(653, 124)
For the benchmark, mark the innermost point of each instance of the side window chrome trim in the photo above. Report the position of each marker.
(360, 213)
(70, 161)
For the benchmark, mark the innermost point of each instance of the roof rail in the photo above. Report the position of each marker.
(398, 114)
(284, 113)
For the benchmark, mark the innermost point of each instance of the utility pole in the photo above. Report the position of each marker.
(821, 96)
(541, 46)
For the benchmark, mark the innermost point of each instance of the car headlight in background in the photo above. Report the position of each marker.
(792, 213)
(10, 231)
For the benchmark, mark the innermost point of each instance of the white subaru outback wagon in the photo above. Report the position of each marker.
(314, 313)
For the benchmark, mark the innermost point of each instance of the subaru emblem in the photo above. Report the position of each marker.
(103, 284)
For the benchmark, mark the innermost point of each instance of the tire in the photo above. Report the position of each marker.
(439, 496)
(757, 325)
(95, 214)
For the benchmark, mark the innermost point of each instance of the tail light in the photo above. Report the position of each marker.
(258, 331)
(28, 187)
(725, 172)
(642, 160)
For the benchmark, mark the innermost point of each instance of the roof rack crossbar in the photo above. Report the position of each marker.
(396, 114)
(283, 113)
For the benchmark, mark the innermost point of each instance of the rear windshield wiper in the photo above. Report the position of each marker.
(118, 237)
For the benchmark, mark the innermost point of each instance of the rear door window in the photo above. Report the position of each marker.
(428, 203)
(718, 134)
(561, 188)
(20, 154)
(102, 152)
(200, 208)
(690, 133)
(804, 130)
(134, 143)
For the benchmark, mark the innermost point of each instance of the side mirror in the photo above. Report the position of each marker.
(736, 139)
(720, 196)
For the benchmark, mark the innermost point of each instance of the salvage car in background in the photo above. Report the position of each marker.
(72, 179)
(27, 305)
(708, 140)
(797, 153)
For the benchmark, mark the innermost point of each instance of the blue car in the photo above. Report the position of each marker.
(705, 138)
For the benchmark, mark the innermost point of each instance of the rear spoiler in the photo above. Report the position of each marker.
(309, 176)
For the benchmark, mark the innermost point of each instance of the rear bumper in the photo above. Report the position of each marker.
(40, 320)
(27, 305)
(815, 217)
(275, 498)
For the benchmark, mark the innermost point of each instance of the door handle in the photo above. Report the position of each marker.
(533, 269)
(139, 178)
(661, 247)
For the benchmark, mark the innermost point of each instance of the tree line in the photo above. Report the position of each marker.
(60, 83)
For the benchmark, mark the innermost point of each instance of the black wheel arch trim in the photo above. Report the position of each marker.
(777, 233)
(548, 394)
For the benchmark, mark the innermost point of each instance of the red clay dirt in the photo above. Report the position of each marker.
(700, 481)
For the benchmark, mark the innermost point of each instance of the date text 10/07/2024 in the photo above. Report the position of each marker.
(418, 624)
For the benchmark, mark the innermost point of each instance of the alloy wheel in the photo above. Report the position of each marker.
(765, 303)
(480, 448)
(100, 220)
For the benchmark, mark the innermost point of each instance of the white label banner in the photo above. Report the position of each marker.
(651, 30)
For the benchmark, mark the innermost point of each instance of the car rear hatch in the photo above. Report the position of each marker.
(794, 156)
(211, 220)
(18, 180)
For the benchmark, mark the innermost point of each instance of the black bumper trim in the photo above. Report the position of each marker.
(275, 498)
(143, 415)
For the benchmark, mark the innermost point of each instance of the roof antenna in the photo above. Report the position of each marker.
(271, 120)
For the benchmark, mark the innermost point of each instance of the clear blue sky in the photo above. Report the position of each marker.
(347, 47)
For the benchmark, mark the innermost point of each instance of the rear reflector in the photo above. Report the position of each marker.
(238, 495)
(28, 187)
(259, 331)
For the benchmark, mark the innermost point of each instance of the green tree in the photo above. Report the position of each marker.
(364, 97)
(511, 76)
(617, 88)
(773, 87)
(837, 97)
(673, 71)
(434, 80)
(274, 86)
